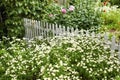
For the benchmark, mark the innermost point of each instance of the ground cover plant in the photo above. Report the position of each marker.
(63, 58)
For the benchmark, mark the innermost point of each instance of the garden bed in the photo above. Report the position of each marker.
(62, 58)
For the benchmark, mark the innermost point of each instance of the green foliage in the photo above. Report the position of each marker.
(111, 17)
(16, 10)
(117, 78)
(111, 21)
(115, 2)
(83, 16)
(66, 58)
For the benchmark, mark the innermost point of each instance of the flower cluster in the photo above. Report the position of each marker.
(71, 8)
(60, 58)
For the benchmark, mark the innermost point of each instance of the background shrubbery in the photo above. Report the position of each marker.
(13, 12)
(83, 16)
(115, 2)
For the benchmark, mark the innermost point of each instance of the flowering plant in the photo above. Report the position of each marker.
(61, 58)
(75, 15)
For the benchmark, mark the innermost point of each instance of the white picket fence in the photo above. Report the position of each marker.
(39, 29)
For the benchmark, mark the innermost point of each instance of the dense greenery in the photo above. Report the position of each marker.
(115, 2)
(13, 13)
(80, 14)
(60, 58)
(111, 20)
(67, 58)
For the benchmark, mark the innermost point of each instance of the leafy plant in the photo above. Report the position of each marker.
(13, 13)
(82, 16)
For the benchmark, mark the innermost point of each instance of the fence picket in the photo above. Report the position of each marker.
(47, 29)
(106, 37)
(68, 30)
(64, 32)
(72, 31)
(87, 33)
(113, 46)
(56, 29)
(93, 34)
(82, 32)
(53, 30)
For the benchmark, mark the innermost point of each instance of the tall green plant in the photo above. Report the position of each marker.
(86, 16)
(16, 10)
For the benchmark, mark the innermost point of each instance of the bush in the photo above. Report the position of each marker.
(76, 58)
(82, 16)
(14, 12)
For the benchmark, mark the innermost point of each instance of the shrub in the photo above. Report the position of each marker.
(82, 16)
(73, 58)
(13, 13)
